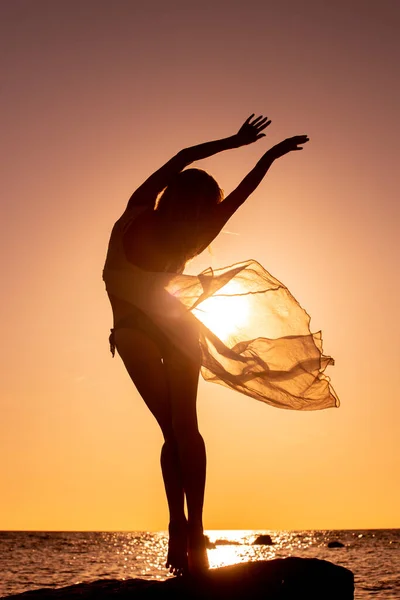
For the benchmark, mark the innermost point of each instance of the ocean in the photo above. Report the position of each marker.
(31, 560)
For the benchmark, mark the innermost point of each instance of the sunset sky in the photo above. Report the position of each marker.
(94, 96)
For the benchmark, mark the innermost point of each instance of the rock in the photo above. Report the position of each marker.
(263, 540)
(283, 578)
(335, 544)
(209, 545)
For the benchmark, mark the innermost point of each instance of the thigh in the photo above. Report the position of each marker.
(182, 374)
(143, 361)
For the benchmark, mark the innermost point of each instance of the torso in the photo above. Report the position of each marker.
(146, 245)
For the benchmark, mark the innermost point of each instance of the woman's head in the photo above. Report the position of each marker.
(183, 210)
(189, 196)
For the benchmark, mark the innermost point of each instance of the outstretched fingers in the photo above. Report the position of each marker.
(289, 145)
(247, 121)
(251, 129)
(261, 126)
(299, 140)
(260, 123)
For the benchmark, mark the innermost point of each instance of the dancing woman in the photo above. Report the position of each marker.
(172, 217)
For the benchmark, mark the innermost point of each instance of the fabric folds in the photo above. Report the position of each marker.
(254, 336)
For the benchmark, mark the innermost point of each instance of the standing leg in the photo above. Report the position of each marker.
(183, 375)
(142, 359)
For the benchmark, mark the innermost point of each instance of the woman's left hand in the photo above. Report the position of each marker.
(250, 131)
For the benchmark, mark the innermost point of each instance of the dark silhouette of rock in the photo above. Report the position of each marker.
(209, 545)
(335, 544)
(263, 540)
(283, 578)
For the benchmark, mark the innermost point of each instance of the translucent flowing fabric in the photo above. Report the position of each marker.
(254, 336)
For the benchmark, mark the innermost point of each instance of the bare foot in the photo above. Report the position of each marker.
(177, 560)
(197, 551)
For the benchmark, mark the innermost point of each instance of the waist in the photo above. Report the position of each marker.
(136, 319)
(121, 308)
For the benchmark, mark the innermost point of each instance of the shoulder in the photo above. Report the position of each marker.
(131, 216)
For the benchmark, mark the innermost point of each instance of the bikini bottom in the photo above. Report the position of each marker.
(139, 321)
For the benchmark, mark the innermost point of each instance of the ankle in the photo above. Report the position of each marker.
(178, 523)
(195, 526)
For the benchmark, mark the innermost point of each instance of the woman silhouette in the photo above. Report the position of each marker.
(162, 343)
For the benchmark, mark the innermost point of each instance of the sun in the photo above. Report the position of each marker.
(225, 313)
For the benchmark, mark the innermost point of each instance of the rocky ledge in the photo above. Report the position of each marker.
(281, 578)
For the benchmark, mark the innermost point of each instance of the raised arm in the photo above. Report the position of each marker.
(147, 193)
(249, 132)
(246, 187)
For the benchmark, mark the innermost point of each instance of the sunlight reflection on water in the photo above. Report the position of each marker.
(241, 550)
(31, 560)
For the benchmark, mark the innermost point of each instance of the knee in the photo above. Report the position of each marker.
(186, 432)
(165, 423)
(170, 448)
(179, 427)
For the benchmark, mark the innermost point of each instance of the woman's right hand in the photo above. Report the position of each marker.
(251, 130)
(289, 145)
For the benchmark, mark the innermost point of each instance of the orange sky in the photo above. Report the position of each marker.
(94, 96)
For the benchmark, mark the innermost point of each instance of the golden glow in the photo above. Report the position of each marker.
(222, 556)
(232, 547)
(223, 314)
(81, 447)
